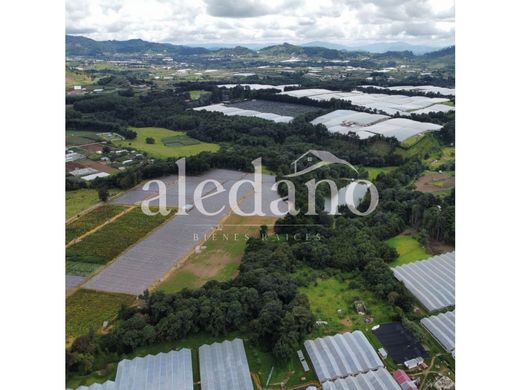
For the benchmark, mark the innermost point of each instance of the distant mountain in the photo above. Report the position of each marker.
(382, 47)
(82, 46)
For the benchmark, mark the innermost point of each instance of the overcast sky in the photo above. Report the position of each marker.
(428, 22)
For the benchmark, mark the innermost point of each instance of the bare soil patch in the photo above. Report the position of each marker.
(435, 182)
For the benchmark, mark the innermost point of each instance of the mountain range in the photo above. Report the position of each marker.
(83, 46)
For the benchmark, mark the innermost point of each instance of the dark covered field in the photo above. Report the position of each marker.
(400, 344)
(279, 108)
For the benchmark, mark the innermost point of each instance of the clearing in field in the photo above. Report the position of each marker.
(91, 220)
(167, 143)
(423, 148)
(332, 300)
(112, 239)
(196, 94)
(434, 182)
(409, 249)
(220, 255)
(80, 200)
(373, 172)
(437, 160)
(87, 309)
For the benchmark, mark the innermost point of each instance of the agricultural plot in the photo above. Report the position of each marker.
(91, 220)
(76, 138)
(399, 342)
(220, 255)
(229, 110)
(278, 108)
(106, 243)
(164, 145)
(373, 172)
(434, 108)
(87, 310)
(332, 300)
(433, 182)
(390, 104)
(146, 263)
(72, 281)
(431, 281)
(80, 200)
(409, 249)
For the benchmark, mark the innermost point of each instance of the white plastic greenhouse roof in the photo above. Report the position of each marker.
(108, 385)
(223, 366)
(342, 355)
(418, 88)
(432, 281)
(401, 128)
(228, 110)
(442, 327)
(389, 104)
(164, 371)
(372, 380)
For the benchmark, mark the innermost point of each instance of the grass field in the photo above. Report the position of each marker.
(194, 95)
(438, 159)
(80, 200)
(409, 249)
(373, 172)
(328, 295)
(91, 220)
(381, 148)
(424, 148)
(106, 243)
(87, 309)
(221, 257)
(75, 138)
(166, 143)
(73, 78)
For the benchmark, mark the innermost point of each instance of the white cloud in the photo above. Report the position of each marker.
(234, 21)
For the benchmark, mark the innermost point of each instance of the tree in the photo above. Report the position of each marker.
(150, 140)
(103, 194)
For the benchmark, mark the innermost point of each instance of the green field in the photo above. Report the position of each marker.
(194, 95)
(166, 143)
(80, 200)
(438, 159)
(328, 295)
(373, 172)
(87, 309)
(424, 147)
(106, 243)
(221, 257)
(409, 249)
(91, 220)
(75, 138)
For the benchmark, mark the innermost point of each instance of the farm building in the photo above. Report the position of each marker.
(431, 281)
(442, 327)
(165, 371)
(73, 156)
(83, 172)
(379, 379)
(404, 380)
(342, 355)
(95, 176)
(400, 344)
(223, 366)
(227, 110)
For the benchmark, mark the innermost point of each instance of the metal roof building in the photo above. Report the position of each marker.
(372, 380)
(342, 355)
(442, 327)
(223, 366)
(164, 371)
(432, 281)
